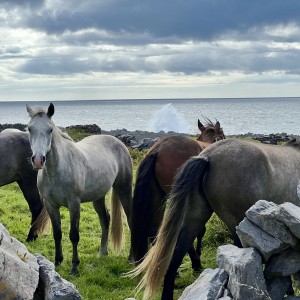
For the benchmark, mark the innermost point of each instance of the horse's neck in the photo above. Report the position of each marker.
(58, 149)
(203, 144)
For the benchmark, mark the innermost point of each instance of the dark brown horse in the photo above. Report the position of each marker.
(226, 178)
(154, 180)
(15, 154)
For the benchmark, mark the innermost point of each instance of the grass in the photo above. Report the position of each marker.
(100, 277)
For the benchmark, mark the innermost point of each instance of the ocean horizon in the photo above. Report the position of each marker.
(236, 115)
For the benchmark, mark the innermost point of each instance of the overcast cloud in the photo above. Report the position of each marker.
(116, 49)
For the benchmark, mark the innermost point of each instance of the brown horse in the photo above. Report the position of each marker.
(226, 178)
(154, 180)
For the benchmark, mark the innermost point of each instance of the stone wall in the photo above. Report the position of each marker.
(264, 267)
(27, 276)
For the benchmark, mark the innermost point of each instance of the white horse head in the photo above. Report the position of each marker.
(40, 130)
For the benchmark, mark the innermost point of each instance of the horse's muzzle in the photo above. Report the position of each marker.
(38, 161)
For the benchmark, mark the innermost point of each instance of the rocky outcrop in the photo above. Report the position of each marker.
(209, 285)
(18, 268)
(51, 285)
(19, 126)
(90, 128)
(139, 139)
(145, 139)
(263, 269)
(27, 276)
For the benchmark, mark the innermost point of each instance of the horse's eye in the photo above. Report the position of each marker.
(50, 130)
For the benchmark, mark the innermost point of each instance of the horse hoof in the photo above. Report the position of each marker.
(103, 253)
(57, 263)
(31, 238)
(74, 271)
(131, 260)
(197, 269)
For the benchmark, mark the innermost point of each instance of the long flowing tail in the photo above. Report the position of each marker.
(142, 206)
(116, 222)
(42, 222)
(156, 262)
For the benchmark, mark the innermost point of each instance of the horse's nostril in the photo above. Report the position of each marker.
(43, 159)
(32, 159)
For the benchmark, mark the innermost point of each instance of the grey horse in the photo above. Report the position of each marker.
(15, 165)
(71, 173)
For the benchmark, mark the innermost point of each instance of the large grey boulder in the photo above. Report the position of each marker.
(266, 215)
(52, 285)
(244, 266)
(19, 270)
(277, 287)
(284, 264)
(289, 214)
(253, 236)
(209, 285)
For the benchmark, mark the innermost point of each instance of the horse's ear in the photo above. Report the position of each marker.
(29, 110)
(218, 124)
(50, 111)
(200, 125)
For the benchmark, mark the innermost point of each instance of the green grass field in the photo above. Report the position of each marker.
(100, 277)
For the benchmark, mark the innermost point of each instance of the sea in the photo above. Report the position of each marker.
(236, 115)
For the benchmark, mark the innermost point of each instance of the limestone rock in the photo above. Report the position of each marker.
(18, 268)
(264, 214)
(244, 267)
(253, 236)
(53, 285)
(208, 286)
(289, 214)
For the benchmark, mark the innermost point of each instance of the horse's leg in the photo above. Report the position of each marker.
(159, 199)
(54, 215)
(197, 215)
(123, 189)
(195, 254)
(74, 209)
(31, 195)
(104, 218)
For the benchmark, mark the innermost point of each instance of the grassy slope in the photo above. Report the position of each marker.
(99, 277)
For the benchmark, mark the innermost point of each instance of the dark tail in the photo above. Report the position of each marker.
(156, 262)
(142, 206)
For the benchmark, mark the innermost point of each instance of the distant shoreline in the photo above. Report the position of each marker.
(140, 135)
(144, 99)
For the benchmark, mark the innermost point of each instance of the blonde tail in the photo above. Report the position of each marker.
(157, 261)
(116, 225)
(42, 222)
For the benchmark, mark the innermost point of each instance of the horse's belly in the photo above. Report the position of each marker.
(231, 194)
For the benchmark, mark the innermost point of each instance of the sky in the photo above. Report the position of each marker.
(148, 49)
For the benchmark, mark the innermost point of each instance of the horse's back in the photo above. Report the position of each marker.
(101, 141)
(172, 153)
(15, 153)
(106, 151)
(11, 130)
(243, 172)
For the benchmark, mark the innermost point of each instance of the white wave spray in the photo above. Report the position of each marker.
(168, 119)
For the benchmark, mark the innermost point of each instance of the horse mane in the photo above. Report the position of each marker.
(293, 142)
(37, 111)
(64, 134)
(209, 122)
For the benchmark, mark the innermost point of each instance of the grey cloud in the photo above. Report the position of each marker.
(190, 19)
(199, 61)
(69, 65)
(23, 3)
